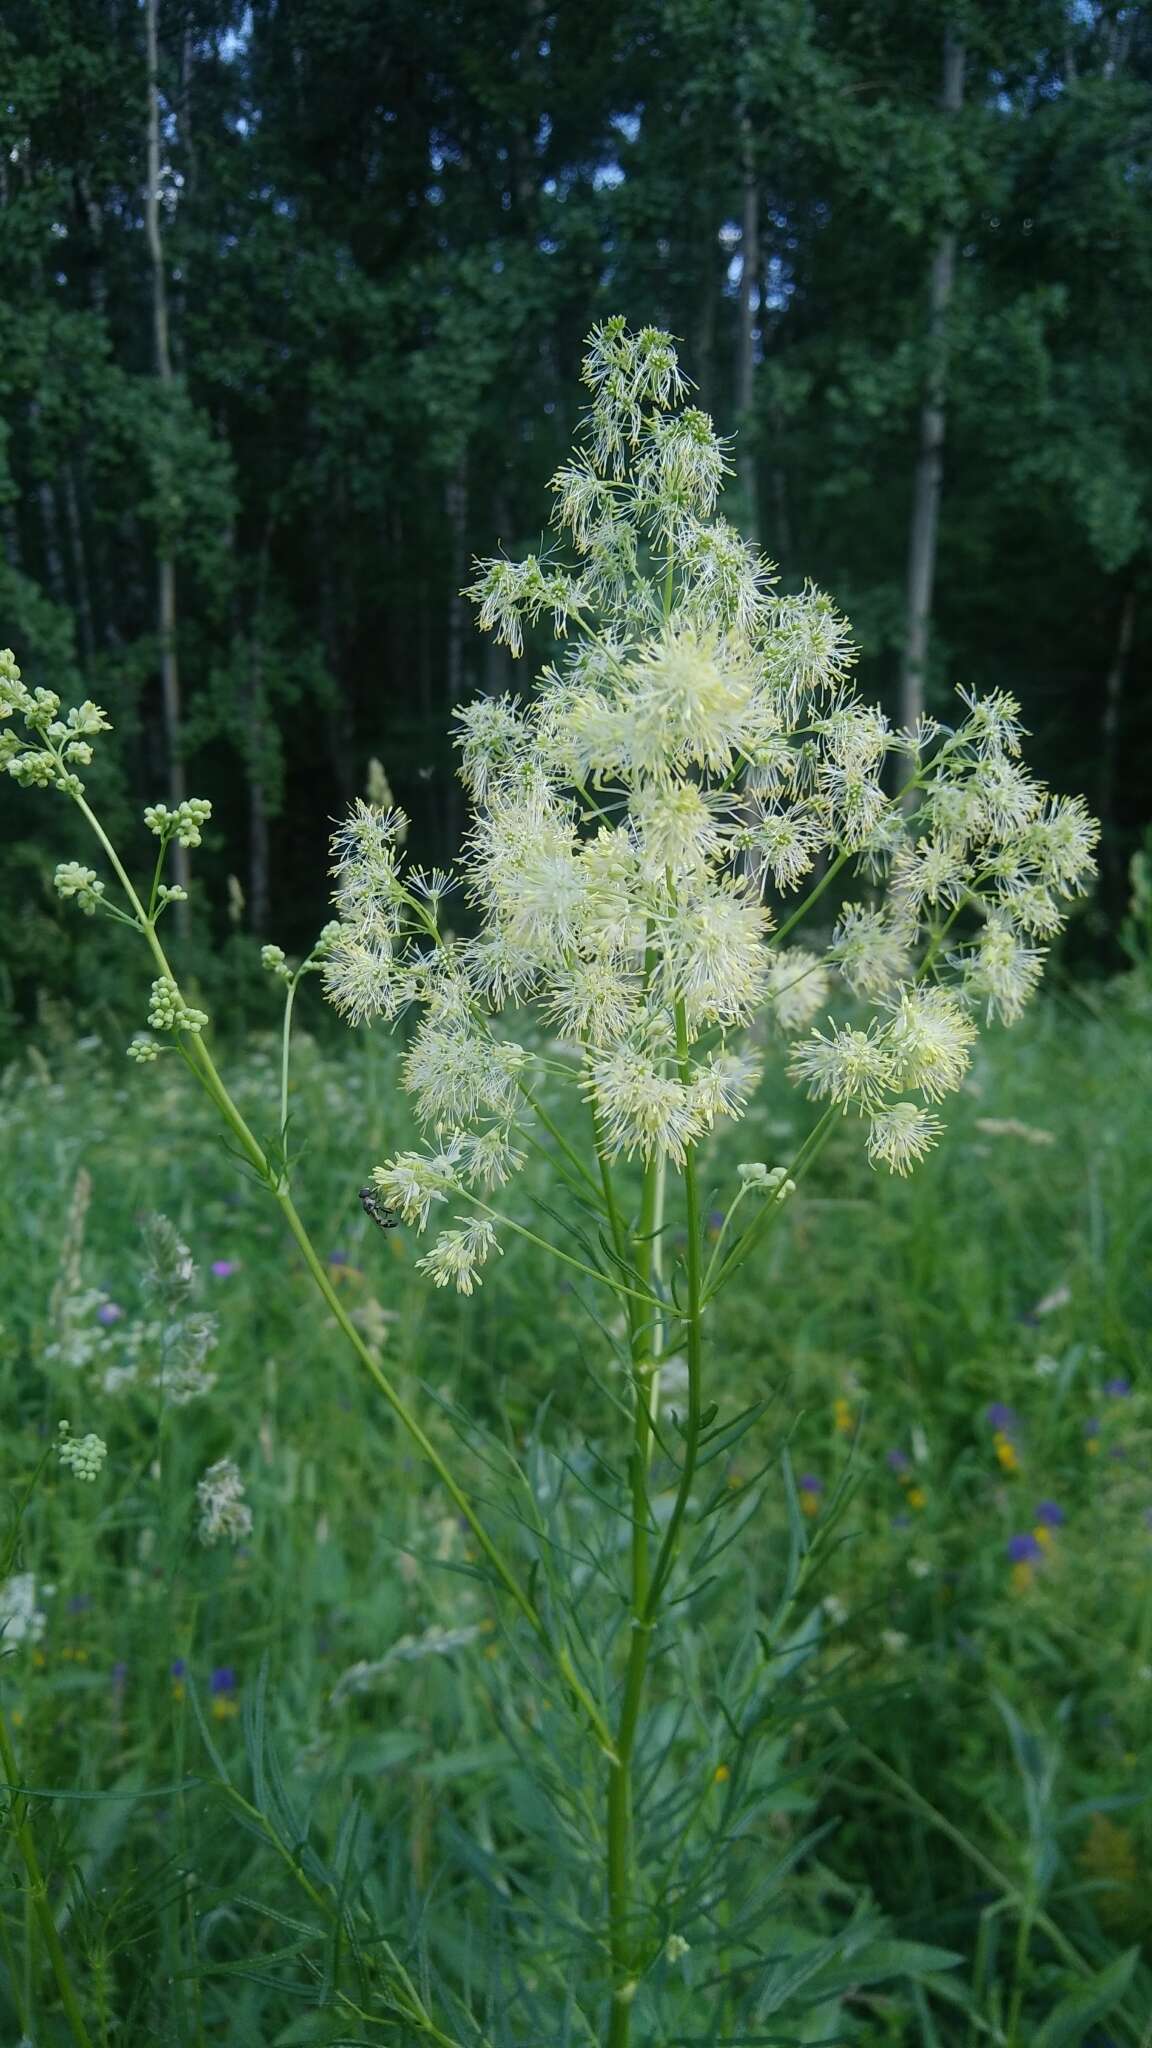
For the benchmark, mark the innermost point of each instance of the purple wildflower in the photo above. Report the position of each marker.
(223, 1680)
(808, 1483)
(1050, 1515)
(1118, 1389)
(896, 1461)
(223, 1269)
(338, 1258)
(177, 1667)
(1024, 1549)
(109, 1312)
(1001, 1416)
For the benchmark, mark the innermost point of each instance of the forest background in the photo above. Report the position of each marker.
(290, 324)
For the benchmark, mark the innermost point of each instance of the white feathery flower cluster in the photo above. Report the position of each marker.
(456, 1255)
(224, 1514)
(697, 748)
(797, 987)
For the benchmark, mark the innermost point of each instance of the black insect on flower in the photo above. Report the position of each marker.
(370, 1202)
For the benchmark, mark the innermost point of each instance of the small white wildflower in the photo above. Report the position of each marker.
(796, 985)
(931, 1036)
(410, 1183)
(849, 1066)
(901, 1135)
(722, 1084)
(713, 957)
(84, 1456)
(993, 722)
(456, 1255)
(676, 1948)
(224, 1515)
(1003, 970)
(592, 1001)
(21, 1619)
(642, 1108)
(894, 1641)
(869, 951)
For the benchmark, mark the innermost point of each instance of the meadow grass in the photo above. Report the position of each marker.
(224, 1745)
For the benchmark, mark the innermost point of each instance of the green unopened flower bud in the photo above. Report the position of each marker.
(274, 960)
(167, 1010)
(88, 718)
(41, 709)
(33, 769)
(73, 880)
(143, 1049)
(83, 1456)
(767, 1180)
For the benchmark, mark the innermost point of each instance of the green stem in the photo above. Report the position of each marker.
(38, 1892)
(812, 897)
(648, 1583)
(811, 1148)
(285, 1065)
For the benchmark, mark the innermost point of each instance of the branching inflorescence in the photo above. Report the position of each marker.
(698, 748)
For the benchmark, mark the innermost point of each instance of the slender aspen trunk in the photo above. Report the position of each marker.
(749, 310)
(922, 538)
(166, 566)
(79, 554)
(1110, 722)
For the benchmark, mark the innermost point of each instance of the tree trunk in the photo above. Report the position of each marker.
(166, 566)
(1110, 723)
(79, 566)
(929, 468)
(749, 309)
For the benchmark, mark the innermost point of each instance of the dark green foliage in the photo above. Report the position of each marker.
(386, 229)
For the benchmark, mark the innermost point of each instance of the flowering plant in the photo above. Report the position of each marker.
(689, 780)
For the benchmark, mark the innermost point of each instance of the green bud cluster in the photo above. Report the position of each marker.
(143, 1050)
(167, 1010)
(275, 961)
(42, 760)
(182, 824)
(82, 1455)
(71, 879)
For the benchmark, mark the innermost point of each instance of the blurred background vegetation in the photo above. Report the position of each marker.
(260, 403)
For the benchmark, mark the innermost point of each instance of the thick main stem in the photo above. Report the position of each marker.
(649, 1581)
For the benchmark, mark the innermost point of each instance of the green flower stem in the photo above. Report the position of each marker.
(38, 1892)
(522, 1230)
(285, 1067)
(812, 897)
(200, 1060)
(809, 1151)
(648, 1586)
(554, 1131)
